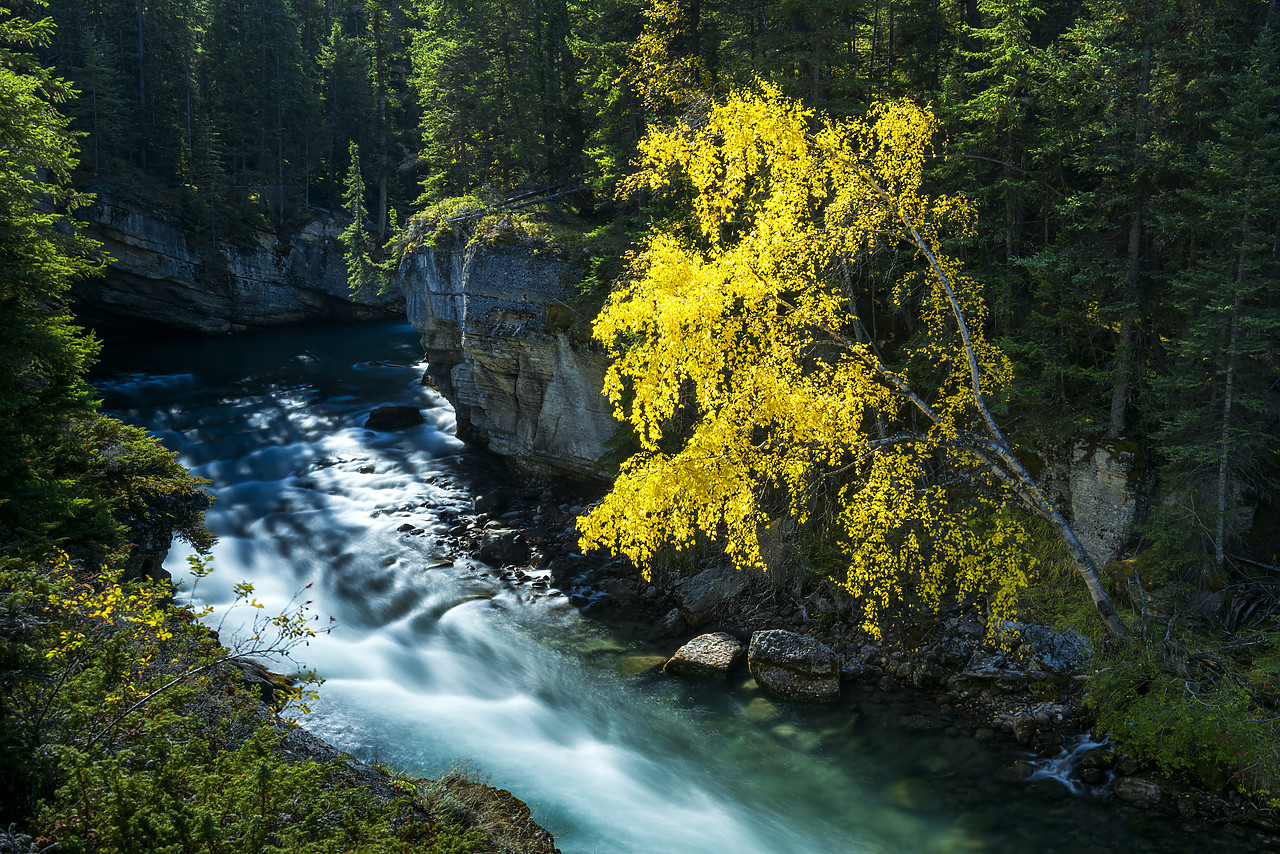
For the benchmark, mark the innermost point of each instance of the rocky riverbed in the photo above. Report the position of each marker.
(1024, 702)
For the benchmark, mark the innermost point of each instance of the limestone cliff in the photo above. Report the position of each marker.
(519, 385)
(157, 276)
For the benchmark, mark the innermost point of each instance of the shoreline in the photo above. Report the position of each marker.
(951, 681)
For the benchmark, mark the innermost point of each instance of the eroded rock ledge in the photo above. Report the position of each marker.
(518, 383)
(160, 276)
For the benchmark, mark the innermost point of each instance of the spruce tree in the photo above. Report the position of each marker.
(362, 276)
(43, 354)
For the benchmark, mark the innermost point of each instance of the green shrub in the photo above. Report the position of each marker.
(1193, 716)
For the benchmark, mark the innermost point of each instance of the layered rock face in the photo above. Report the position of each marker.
(518, 384)
(158, 277)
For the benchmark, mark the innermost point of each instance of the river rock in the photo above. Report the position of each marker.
(491, 502)
(504, 547)
(709, 656)
(699, 595)
(393, 418)
(760, 709)
(1097, 757)
(1024, 729)
(669, 626)
(1137, 791)
(794, 667)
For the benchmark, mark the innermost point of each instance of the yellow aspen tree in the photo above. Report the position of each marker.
(660, 73)
(744, 333)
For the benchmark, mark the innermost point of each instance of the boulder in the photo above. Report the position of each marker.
(709, 656)
(699, 595)
(393, 418)
(1024, 729)
(794, 667)
(491, 502)
(504, 547)
(1059, 652)
(273, 688)
(669, 626)
(1105, 480)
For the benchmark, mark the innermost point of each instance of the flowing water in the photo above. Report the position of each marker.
(434, 661)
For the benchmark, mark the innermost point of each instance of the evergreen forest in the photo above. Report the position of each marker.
(1121, 157)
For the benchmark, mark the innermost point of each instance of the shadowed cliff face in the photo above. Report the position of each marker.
(519, 387)
(157, 277)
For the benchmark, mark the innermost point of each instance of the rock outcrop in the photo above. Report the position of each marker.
(794, 667)
(1104, 481)
(159, 276)
(519, 385)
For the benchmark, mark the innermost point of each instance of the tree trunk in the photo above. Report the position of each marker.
(1006, 465)
(1120, 375)
(142, 89)
(1220, 534)
(1125, 345)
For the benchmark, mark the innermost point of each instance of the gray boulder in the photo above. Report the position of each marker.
(709, 656)
(504, 547)
(669, 626)
(1059, 652)
(794, 667)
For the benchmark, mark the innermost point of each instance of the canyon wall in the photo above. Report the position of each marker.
(494, 325)
(158, 275)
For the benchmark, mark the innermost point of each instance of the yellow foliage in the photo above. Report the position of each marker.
(659, 75)
(742, 364)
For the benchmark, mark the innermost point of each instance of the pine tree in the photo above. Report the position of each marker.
(362, 278)
(1213, 398)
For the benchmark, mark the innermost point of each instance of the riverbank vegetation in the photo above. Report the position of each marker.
(1117, 261)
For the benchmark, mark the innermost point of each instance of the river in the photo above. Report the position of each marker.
(434, 662)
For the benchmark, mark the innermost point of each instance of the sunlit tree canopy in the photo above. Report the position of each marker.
(743, 363)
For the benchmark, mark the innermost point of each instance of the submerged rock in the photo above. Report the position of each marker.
(794, 667)
(393, 418)
(760, 709)
(1137, 791)
(709, 656)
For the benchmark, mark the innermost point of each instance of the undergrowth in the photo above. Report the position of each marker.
(1186, 695)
